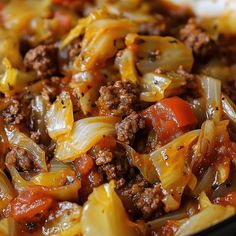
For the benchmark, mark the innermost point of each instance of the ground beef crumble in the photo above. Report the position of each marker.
(19, 158)
(43, 60)
(140, 198)
(118, 99)
(195, 38)
(128, 127)
(103, 157)
(13, 113)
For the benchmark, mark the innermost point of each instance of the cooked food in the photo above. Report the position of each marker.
(117, 117)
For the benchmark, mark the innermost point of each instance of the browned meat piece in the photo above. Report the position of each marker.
(117, 168)
(18, 111)
(140, 198)
(195, 38)
(128, 127)
(43, 60)
(118, 99)
(13, 113)
(103, 156)
(148, 201)
(20, 158)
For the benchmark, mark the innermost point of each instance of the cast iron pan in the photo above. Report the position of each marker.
(224, 228)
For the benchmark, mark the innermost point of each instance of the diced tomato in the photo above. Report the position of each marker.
(229, 199)
(170, 118)
(107, 142)
(64, 2)
(31, 205)
(64, 19)
(84, 164)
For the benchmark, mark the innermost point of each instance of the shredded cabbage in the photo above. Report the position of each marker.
(59, 117)
(110, 218)
(157, 86)
(85, 133)
(210, 214)
(172, 165)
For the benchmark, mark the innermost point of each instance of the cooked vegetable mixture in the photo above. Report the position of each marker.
(117, 118)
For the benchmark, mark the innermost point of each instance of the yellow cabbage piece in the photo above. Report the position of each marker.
(99, 43)
(9, 48)
(209, 215)
(172, 165)
(65, 221)
(125, 61)
(17, 15)
(68, 190)
(157, 86)
(103, 214)
(59, 117)
(154, 52)
(85, 133)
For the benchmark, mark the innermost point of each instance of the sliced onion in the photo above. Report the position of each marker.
(229, 110)
(59, 117)
(212, 94)
(18, 139)
(85, 133)
(171, 163)
(206, 182)
(176, 215)
(39, 108)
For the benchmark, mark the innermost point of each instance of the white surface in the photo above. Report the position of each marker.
(209, 7)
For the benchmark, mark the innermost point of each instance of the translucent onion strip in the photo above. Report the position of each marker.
(39, 108)
(229, 109)
(212, 93)
(171, 163)
(18, 139)
(85, 133)
(59, 117)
